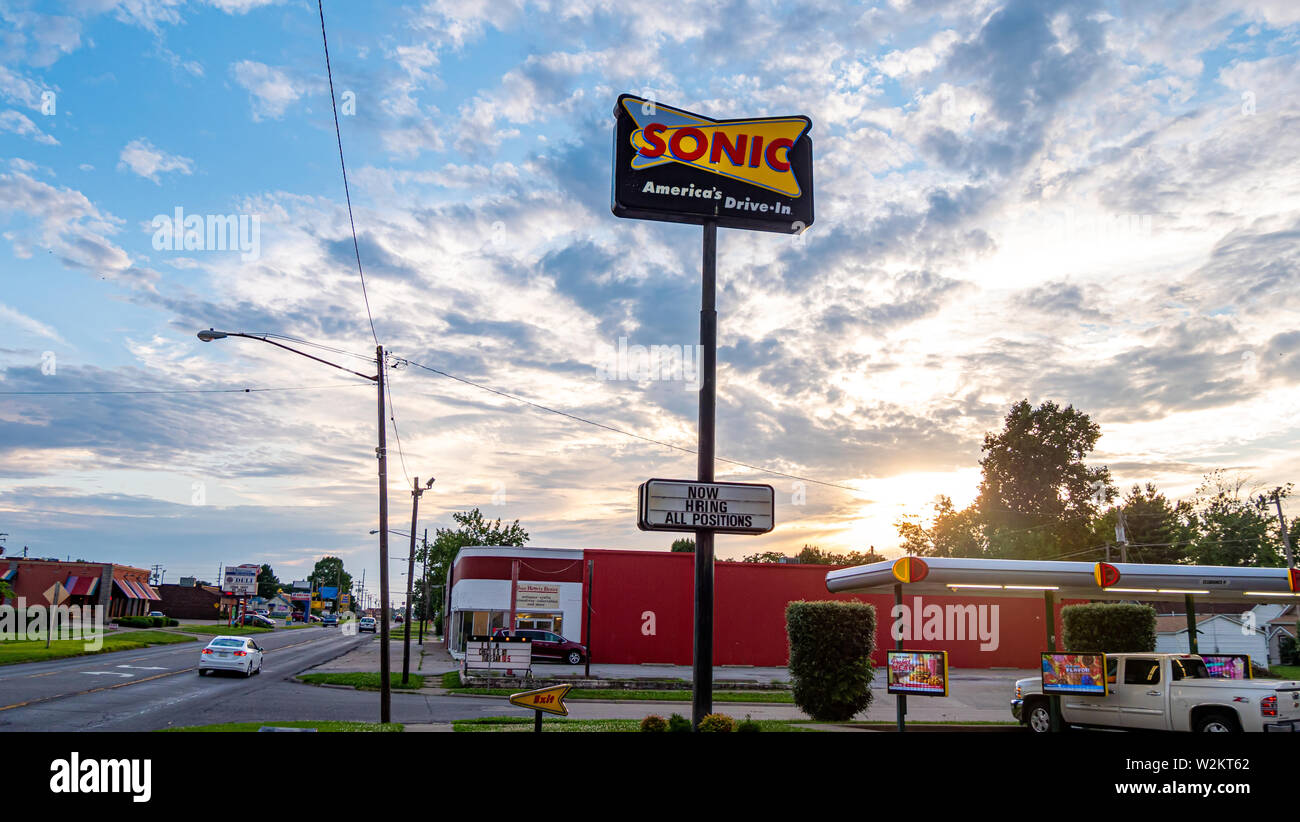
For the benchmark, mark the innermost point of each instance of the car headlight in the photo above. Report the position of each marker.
(1018, 692)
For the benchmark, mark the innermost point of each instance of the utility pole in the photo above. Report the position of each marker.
(424, 614)
(1121, 535)
(1281, 521)
(385, 686)
(416, 491)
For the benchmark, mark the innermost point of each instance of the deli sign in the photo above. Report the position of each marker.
(676, 166)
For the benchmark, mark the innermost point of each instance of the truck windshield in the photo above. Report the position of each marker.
(1188, 668)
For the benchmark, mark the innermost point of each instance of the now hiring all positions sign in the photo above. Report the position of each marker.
(722, 507)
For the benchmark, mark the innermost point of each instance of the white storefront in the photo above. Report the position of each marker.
(480, 603)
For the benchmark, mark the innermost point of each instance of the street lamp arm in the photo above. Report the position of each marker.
(209, 335)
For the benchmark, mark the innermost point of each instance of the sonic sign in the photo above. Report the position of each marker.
(680, 167)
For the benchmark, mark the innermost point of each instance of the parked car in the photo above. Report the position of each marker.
(231, 653)
(1166, 692)
(367, 624)
(157, 614)
(257, 621)
(550, 645)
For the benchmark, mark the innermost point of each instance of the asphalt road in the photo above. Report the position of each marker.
(152, 688)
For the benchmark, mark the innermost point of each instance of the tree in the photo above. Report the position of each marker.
(1037, 498)
(6, 592)
(952, 533)
(329, 573)
(812, 555)
(765, 556)
(472, 529)
(1232, 527)
(1157, 530)
(685, 545)
(267, 583)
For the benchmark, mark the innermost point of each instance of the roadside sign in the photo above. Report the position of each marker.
(499, 655)
(241, 580)
(673, 165)
(56, 594)
(721, 507)
(1074, 674)
(550, 700)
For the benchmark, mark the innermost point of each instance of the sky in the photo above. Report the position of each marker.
(1094, 203)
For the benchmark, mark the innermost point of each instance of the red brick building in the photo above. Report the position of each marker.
(118, 589)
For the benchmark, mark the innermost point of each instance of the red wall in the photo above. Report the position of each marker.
(749, 613)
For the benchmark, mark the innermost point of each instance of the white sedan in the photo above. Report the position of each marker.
(231, 653)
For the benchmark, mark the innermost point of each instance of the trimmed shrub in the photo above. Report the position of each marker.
(679, 724)
(172, 623)
(717, 724)
(654, 725)
(748, 726)
(1287, 650)
(1109, 627)
(830, 657)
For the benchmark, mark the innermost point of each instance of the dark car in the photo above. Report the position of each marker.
(330, 620)
(257, 621)
(550, 645)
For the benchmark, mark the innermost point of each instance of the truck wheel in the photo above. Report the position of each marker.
(1220, 723)
(1038, 717)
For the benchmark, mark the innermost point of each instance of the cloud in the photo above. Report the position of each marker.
(67, 225)
(271, 89)
(18, 123)
(143, 158)
(16, 319)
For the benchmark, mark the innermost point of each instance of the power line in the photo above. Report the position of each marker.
(187, 390)
(392, 416)
(346, 193)
(624, 433)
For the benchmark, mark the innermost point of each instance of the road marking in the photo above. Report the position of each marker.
(132, 682)
(105, 673)
(143, 667)
(47, 673)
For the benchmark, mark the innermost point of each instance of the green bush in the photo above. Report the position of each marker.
(137, 622)
(172, 623)
(1109, 627)
(1287, 650)
(717, 724)
(654, 725)
(830, 657)
(679, 724)
(748, 726)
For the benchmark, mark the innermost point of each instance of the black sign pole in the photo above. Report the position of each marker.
(899, 699)
(702, 675)
(537, 722)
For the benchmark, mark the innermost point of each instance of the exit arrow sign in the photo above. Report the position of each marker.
(550, 700)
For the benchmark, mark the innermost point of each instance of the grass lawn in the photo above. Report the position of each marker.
(1285, 671)
(518, 724)
(228, 630)
(251, 727)
(27, 650)
(364, 681)
(782, 697)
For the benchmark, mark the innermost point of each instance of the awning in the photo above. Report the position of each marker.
(147, 591)
(135, 586)
(81, 586)
(125, 588)
(8, 575)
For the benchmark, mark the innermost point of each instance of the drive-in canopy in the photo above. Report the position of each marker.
(955, 576)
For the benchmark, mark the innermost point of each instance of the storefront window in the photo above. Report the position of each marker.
(541, 621)
(475, 623)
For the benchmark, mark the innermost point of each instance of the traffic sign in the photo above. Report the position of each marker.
(550, 700)
(56, 594)
(722, 507)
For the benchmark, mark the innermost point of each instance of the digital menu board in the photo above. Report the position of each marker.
(1079, 674)
(920, 673)
(1227, 666)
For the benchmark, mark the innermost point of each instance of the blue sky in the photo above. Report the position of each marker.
(1094, 203)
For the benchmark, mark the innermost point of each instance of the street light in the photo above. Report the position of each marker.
(385, 687)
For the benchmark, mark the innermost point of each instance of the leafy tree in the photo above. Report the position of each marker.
(812, 555)
(267, 582)
(952, 533)
(765, 556)
(6, 591)
(1233, 528)
(472, 529)
(1037, 498)
(685, 545)
(329, 573)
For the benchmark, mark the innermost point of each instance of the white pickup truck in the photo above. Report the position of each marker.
(1166, 692)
